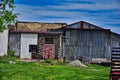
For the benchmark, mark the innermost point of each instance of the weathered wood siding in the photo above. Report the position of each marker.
(26, 40)
(115, 39)
(14, 43)
(3, 42)
(83, 25)
(86, 43)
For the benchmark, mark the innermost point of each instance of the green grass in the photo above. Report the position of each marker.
(37, 71)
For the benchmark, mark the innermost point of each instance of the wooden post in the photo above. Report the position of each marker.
(60, 54)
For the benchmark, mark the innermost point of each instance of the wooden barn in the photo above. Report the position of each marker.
(80, 40)
(88, 43)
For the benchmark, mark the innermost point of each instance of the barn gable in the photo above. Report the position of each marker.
(83, 25)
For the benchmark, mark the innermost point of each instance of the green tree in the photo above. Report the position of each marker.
(7, 16)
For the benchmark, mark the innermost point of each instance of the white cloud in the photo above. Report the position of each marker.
(33, 11)
(70, 12)
(87, 6)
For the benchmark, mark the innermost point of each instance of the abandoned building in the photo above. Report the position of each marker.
(34, 40)
(87, 42)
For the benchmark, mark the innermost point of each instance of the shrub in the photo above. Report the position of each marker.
(9, 57)
(11, 53)
(49, 61)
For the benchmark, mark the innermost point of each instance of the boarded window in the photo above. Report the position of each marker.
(48, 40)
(32, 48)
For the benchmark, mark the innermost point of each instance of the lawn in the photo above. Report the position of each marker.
(40, 71)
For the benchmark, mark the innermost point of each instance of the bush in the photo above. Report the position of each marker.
(9, 57)
(49, 61)
(53, 62)
(11, 53)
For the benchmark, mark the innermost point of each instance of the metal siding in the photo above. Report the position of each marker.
(3, 42)
(77, 25)
(86, 26)
(82, 25)
(115, 40)
(89, 26)
(88, 43)
(14, 43)
(26, 40)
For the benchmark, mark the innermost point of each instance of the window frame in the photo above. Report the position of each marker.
(49, 40)
(33, 48)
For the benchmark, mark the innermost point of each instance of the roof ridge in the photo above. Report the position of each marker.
(40, 22)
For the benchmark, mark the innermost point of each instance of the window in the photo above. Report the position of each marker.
(48, 40)
(32, 48)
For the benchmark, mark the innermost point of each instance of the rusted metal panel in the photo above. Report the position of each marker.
(81, 25)
(14, 43)
(3, 42)
(89, 43)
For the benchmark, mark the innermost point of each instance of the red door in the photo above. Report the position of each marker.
(48, 51)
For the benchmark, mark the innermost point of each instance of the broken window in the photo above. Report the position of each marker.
(32, 48)
(48, 40)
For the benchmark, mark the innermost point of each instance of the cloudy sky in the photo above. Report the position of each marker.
(103, 13)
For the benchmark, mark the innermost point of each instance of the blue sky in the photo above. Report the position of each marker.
(103, 13)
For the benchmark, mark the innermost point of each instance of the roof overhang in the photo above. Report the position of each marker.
(36, 32)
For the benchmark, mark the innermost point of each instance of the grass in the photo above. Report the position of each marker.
(40, 71)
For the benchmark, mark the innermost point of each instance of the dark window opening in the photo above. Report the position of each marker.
(48, 40)
(32, 48)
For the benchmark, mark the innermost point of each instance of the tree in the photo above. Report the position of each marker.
(7, 16)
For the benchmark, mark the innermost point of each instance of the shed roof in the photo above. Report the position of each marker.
(37, 26)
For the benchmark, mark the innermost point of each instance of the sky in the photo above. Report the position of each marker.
(103, 13)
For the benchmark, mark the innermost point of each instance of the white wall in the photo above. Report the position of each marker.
(3, 42)
(26, 40)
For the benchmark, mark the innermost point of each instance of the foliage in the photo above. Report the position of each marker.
(53, 62)
(49, 61)
(9, 57)
(6, 13)
(38, 71)
(11, 53)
